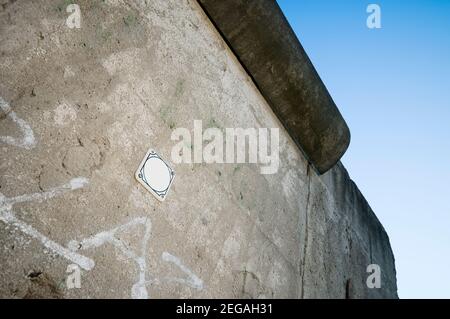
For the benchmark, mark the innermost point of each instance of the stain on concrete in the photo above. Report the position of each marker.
(42, 286)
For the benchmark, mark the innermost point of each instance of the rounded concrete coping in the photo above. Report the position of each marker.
(263, 41)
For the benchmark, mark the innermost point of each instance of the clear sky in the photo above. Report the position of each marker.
(392, 85)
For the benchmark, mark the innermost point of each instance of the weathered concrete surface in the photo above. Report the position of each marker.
(95, 99)
(265, 44)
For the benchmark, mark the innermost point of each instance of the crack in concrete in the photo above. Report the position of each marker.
(305, 246)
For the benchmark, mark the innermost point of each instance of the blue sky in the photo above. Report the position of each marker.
(392, 85)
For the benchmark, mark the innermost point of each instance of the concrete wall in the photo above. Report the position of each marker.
(89, 102)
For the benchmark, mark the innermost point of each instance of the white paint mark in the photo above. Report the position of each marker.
(73, 184)
(78, 182)
(84, 262)
(139, 290)
(8, 216)
(192, 281)
(27, 141)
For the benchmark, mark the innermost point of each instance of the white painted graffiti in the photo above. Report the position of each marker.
(139, 289)
(8, 216)
(27, 141)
